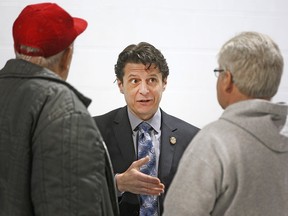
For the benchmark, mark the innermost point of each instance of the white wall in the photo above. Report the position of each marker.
(188, 32)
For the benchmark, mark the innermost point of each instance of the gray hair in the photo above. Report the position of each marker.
(48, 62)
(255, 62)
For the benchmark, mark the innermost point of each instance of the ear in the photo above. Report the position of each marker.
(164, 84)
(65, 62)
(227, 82)
(120, 86)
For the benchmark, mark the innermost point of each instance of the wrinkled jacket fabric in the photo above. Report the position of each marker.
(52, 158)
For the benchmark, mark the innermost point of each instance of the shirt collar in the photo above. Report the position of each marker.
(155, 121)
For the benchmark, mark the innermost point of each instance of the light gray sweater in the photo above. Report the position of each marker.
(236, 166)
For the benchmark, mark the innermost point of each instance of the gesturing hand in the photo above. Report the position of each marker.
(132, 180)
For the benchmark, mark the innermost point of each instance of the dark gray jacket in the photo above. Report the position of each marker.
(52, 157)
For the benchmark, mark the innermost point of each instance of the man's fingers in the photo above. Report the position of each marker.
(148, 190)
(137, 164)
(141, 183)
(152, 184)
(148, 179)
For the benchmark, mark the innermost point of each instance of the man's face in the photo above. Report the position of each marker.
(142, 89)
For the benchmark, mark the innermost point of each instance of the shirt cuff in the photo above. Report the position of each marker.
(119, 193)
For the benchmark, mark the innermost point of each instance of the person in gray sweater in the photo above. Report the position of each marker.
(237, 165)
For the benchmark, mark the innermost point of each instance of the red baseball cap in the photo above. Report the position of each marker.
(46, 27)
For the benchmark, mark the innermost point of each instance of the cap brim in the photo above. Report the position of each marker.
(80, 25)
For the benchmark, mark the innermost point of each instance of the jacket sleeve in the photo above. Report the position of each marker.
(68, 165)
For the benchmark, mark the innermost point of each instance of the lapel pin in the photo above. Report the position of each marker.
(173, 140)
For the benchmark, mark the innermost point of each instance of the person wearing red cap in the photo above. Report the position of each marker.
(53, 160)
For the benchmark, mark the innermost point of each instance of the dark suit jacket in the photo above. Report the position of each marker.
(117, 134)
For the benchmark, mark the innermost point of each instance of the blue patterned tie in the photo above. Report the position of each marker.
(149, 204)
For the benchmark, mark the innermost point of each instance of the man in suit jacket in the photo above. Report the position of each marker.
(142, 72)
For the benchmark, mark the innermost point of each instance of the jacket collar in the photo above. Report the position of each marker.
(18, 68)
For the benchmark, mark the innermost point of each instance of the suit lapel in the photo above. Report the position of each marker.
(167, 149)
(123, 133)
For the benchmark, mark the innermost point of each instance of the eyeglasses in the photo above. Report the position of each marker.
(218, 71)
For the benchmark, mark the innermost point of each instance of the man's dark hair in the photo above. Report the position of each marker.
(143, 53)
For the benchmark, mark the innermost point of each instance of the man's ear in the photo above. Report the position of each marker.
(227, 82)
(65, 62)
(120, 86)
(164, 84)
